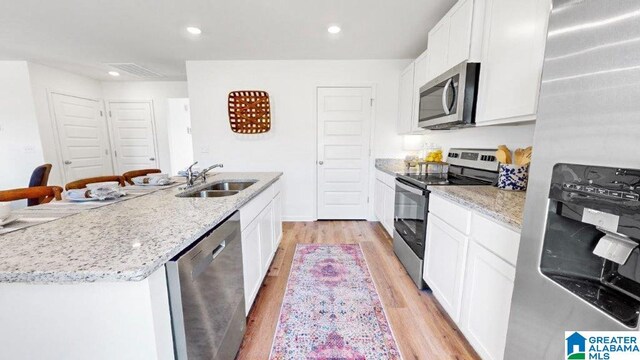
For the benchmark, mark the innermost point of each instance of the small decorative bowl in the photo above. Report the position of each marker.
(513, 177)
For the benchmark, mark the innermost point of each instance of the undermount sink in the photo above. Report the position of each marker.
(220, 189)
(213, 193)
(230, 185)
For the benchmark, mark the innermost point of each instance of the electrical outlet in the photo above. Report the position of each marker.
(204, 149)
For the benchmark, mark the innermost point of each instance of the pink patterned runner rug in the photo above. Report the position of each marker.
(331, 309)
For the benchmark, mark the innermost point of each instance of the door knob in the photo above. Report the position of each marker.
(67, 162)
(152, 159)
(320, 162)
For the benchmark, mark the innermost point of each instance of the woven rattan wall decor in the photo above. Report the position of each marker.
(249, 112)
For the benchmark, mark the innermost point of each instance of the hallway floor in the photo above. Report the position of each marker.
(421, 328)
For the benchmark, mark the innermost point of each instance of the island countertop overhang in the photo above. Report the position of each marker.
(125, 241)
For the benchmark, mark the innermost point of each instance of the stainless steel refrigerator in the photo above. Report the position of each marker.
(583, 188)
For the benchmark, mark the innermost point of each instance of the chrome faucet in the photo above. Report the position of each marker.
(192, 178)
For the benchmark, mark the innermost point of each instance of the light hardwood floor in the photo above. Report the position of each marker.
(421, 328)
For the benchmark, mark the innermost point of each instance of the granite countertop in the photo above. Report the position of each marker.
(125, 241)
(390, 166)
(501, 205)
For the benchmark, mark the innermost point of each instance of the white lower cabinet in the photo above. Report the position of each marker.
(251, 263)
(444, 264)
(261, 221)
(487, 301)
(470, 266)
(267, 249)
(389, 208)
(384, 197)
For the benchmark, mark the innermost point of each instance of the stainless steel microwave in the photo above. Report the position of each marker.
(449, 100)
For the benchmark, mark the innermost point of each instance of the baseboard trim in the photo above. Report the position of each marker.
(298, 218)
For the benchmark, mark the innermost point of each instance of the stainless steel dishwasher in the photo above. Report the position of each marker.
(206, 295)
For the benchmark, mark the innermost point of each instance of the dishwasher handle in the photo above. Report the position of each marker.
(205, 261)
(200, 256)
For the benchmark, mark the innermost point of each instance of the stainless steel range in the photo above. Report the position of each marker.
(466, 167)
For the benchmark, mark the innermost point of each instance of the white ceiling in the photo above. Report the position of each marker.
(81, 36)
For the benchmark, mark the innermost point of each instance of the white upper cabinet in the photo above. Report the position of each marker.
(512, 57)
(461, 17)
(419, 79)
(450, 41)
(411, 80)
(439, 47)
(405, 100)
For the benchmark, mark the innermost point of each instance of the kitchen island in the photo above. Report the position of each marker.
(93, 284)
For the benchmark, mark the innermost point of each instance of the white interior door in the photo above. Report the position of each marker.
(344, 126)
(82, 137)
(133, 135)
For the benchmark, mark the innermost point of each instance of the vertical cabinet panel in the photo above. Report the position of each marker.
(439, 47)
(460, 32)
(378, 200)
(277, 221)
(444, 264)
(251, 263)
(487, 301)
(405, 100)
(512, 58)
(266, 238)
(389, 207)
(384, 198)
(421, 77)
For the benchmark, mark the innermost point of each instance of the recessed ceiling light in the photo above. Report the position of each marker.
(194, 30)
(334, 29)
(114, 73)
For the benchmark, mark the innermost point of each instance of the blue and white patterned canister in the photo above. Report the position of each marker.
(513, 177)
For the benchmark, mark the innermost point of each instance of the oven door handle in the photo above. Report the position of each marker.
(409, 188)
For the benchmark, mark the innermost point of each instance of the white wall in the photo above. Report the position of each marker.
(180, 140)
(290, 146)
(488, 137)
(45, 79)
(158, 92)
(20, 149)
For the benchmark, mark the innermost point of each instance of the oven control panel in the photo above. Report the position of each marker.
(483, 159)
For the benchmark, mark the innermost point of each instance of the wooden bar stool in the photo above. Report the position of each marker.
(45, 193)
(129, 175)
(82, 183)
(39, 177)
